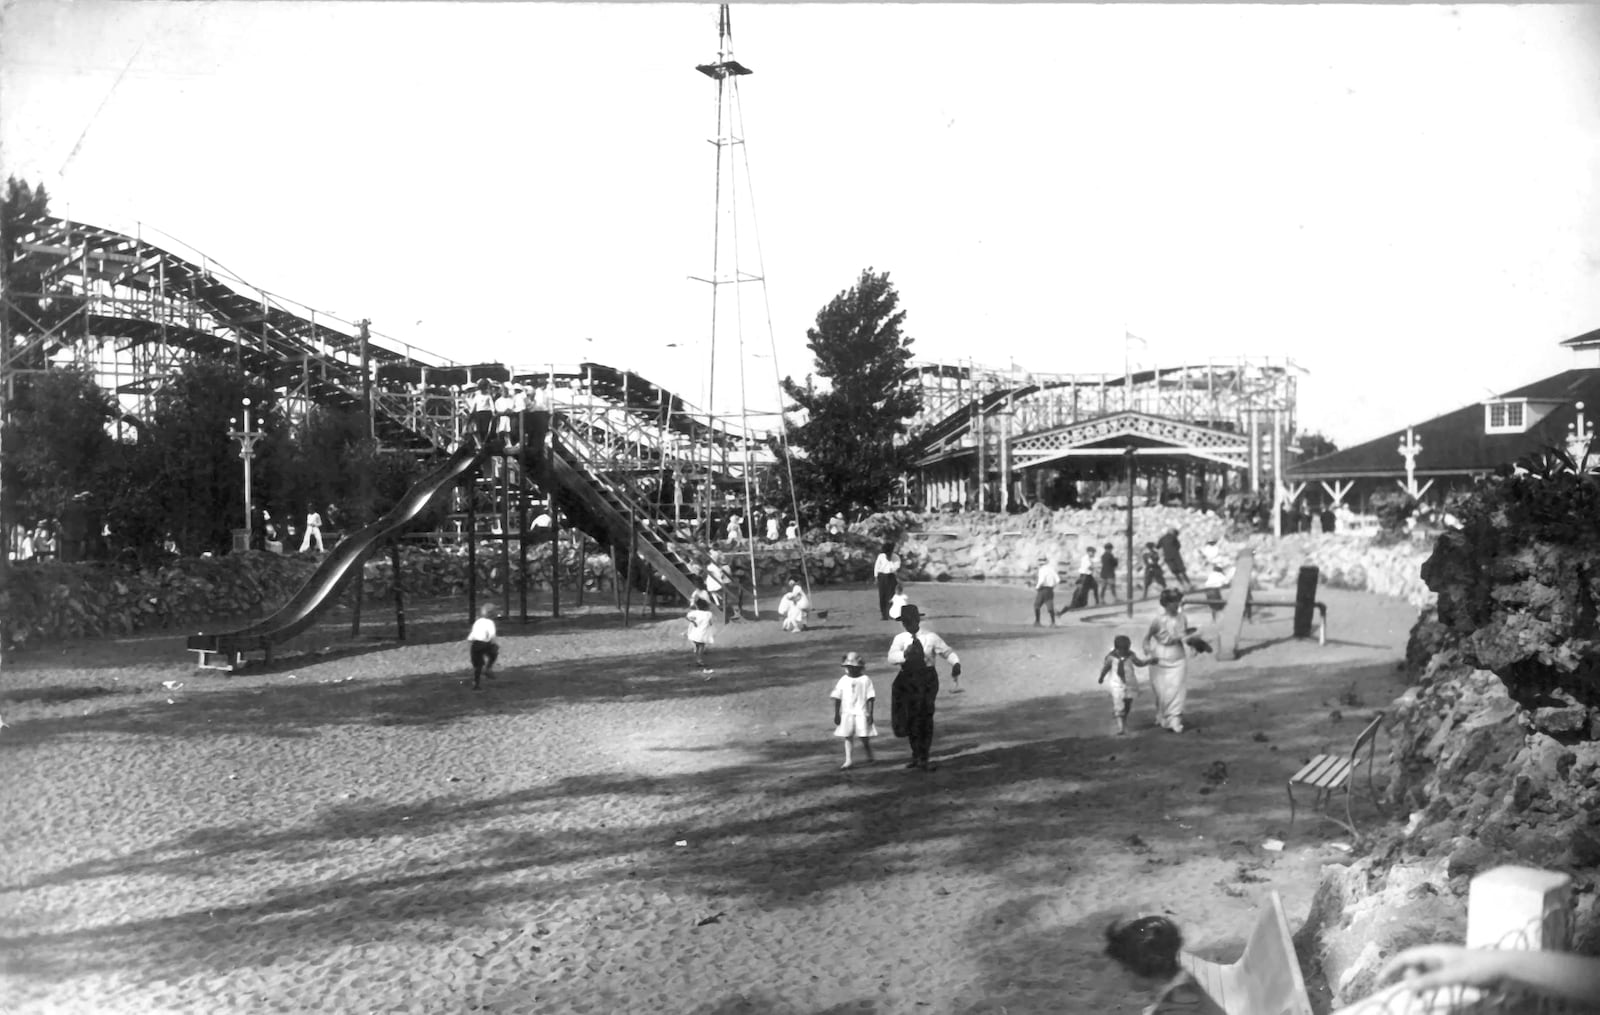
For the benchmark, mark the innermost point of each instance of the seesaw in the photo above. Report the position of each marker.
(1236, 608)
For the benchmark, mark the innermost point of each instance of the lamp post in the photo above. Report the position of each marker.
(1580, 433)
(247, 450)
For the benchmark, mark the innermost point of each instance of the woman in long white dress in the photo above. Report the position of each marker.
(1166, 645)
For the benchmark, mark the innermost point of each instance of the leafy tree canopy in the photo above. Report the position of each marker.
(55, 440)
(850, 447)
(21, 206)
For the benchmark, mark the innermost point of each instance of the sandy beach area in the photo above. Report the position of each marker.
(605, 829)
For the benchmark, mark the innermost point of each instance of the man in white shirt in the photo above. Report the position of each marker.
(916, 687)
(1044, 590)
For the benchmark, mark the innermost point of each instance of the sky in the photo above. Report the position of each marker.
(1404, 200)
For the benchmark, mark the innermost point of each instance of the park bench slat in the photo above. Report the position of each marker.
(1325, 771)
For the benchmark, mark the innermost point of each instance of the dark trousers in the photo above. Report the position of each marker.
(919, 730)
(1042, 598)
(482, 425)
(886, 584)
(484, 654)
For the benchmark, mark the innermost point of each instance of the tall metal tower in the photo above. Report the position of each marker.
(736, 264)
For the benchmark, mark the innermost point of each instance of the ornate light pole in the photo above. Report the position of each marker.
(1409, 449)
(247, 450)
(1579, 434)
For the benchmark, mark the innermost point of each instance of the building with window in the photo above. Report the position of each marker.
(1455, 450)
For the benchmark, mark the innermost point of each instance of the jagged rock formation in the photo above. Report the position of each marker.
(1496, 751)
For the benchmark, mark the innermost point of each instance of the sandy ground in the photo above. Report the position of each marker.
(606, 830)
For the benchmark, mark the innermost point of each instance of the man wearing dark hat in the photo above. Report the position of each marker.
(916, 686)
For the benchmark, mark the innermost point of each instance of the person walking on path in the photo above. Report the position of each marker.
(1172, 554)
(313, 531)
(483, 650)
(916, 687)
(699, 633)
(1166, 645)
(1088, 564)
(1152, 569)
(1044, 590)
(853, 701)
(886, 572)
(717, 581)
(1108, 573)
(1117, 672)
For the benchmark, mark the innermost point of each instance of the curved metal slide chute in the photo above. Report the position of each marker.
(342, 564)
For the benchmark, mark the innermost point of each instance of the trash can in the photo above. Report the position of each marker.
(241, 540)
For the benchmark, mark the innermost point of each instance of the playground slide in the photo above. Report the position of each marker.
(342, 564)
(605, 507)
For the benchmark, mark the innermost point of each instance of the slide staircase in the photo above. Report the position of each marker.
(609, 509)
(339, 568)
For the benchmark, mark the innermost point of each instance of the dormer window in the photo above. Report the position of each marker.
(1505, 417)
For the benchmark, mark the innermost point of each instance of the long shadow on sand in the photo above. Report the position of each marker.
(781, 827)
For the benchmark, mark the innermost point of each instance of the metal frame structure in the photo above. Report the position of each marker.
(132, 311)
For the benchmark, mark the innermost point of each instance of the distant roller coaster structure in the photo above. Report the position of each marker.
(997, 439)
(130, 310)
(630, 462)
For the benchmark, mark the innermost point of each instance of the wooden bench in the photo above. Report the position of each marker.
(1265, 980)
(1327, 773)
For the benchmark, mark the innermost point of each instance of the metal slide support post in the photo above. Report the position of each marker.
(399, 593)
(503, 513)
(633, 551)
(472, 547)
(522, 538)
(555, 556)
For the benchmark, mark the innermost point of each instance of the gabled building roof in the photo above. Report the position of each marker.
(1588, 340)
(1456, 443)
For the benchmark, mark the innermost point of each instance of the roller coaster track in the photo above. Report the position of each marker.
(94, 289)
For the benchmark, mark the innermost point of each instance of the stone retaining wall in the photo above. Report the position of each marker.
(43, 603)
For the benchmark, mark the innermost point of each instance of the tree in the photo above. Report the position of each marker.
(1315, 445)
(188, 475)
(850, 445)
(56, 442)
(21, 208)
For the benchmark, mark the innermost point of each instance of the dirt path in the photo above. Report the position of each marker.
(605, 830)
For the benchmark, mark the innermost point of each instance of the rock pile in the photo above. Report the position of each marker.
(1496, 750)
(978, 547)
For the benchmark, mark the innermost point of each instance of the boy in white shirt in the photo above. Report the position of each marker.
(1044, 590)
(483, 649)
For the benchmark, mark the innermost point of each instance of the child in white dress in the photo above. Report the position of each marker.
(853, 700)
(1117, 672)
(699, 618)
